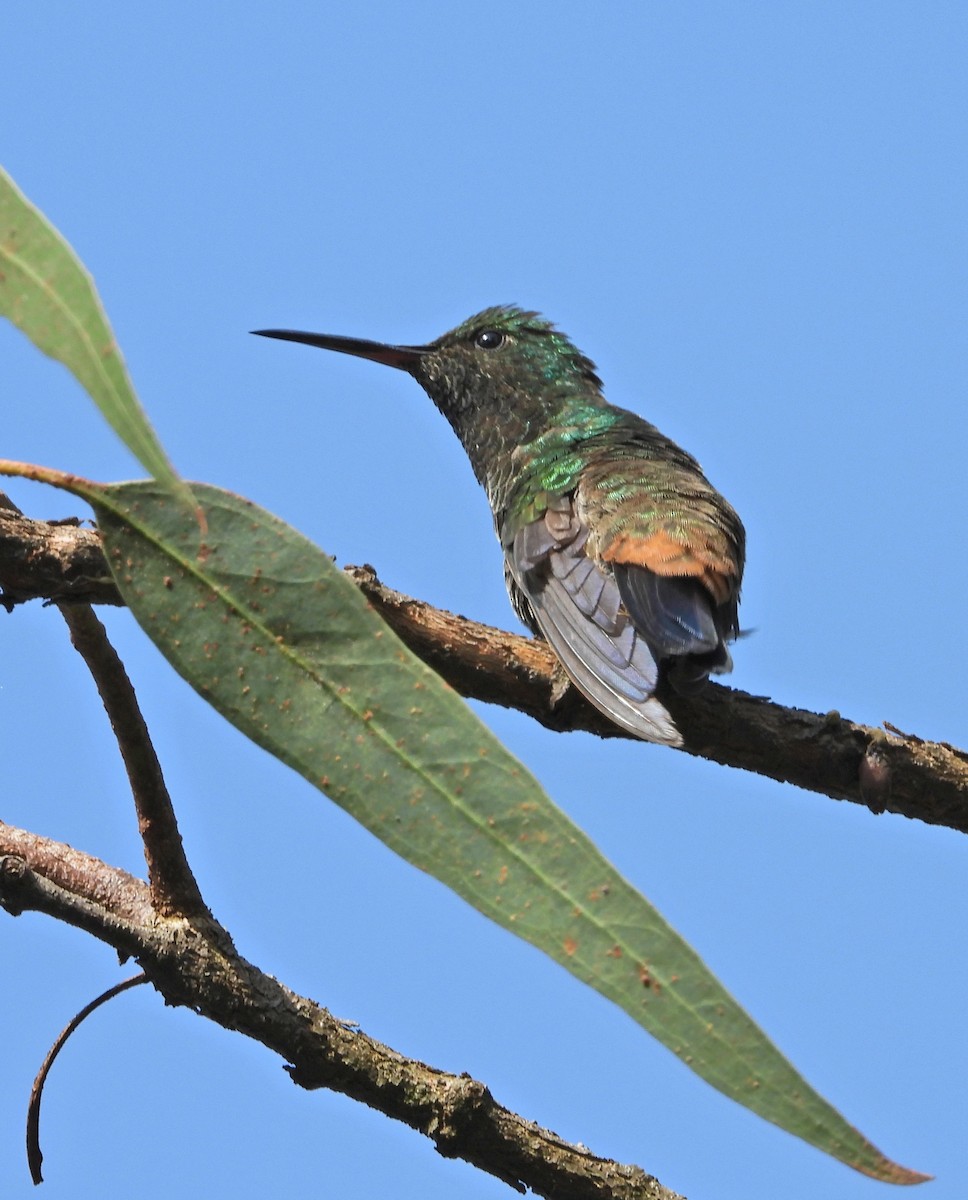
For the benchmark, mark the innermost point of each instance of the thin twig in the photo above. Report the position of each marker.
(174, 890)
(34, 1156)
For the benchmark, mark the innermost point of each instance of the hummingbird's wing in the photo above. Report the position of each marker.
(578, 607)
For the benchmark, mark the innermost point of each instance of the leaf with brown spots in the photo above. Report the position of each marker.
(265, 627)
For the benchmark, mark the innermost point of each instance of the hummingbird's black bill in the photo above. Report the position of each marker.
(405, 358)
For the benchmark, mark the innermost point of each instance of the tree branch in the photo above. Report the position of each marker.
(172, 886)
(191, 961)
(884, 770)
(51, 560)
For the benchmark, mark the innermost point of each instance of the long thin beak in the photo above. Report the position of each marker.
(405, 358)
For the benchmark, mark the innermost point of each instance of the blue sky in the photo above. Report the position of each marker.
(752, 217)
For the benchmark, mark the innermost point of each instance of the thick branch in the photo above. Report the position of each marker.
(885, 771)
(823, 753)
(192, 962)
(51, 560)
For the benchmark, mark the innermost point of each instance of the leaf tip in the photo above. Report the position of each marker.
(879, 1166)
(893, 1172)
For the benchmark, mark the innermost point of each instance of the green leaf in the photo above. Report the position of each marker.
(46, 292)
(269, 631)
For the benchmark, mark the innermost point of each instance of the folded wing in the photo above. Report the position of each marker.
(578, 607)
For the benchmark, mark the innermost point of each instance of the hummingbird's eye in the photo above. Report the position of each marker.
(490, 339)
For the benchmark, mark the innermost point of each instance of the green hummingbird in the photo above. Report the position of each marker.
(617, 549)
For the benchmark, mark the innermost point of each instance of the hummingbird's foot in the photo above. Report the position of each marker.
(561, 686)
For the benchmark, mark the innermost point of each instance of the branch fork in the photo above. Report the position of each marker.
(190, 959)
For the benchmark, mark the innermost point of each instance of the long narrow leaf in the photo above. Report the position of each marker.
(46, 292)
(269, 631)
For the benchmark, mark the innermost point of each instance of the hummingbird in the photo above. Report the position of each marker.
(617, 549)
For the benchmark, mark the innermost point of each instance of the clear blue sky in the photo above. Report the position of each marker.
(752, 216)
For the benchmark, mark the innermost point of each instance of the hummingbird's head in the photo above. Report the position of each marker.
(498, 354)
(504, 361)
(505, 370)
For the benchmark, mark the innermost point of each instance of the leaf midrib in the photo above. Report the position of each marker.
(373, 727)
